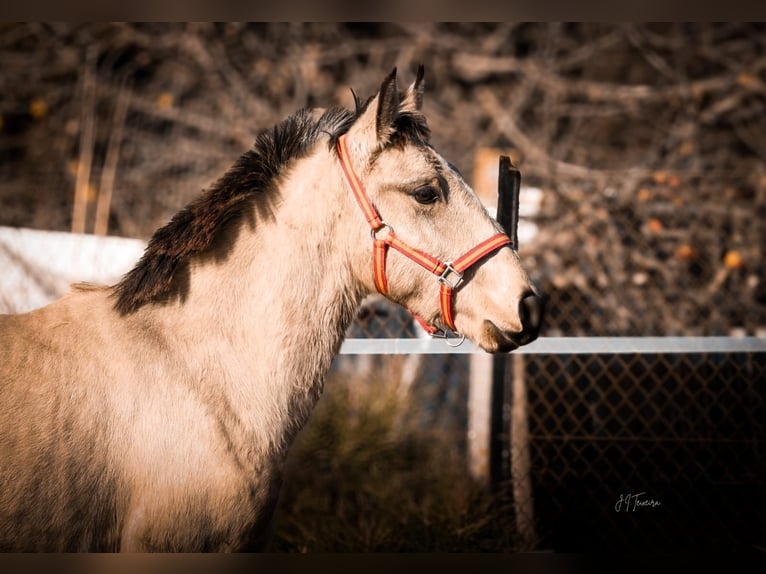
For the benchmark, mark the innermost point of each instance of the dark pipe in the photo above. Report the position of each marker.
(508, 186)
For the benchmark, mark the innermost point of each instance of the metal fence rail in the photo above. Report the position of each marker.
(563, 346)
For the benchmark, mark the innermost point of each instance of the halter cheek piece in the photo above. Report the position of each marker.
(449, 274)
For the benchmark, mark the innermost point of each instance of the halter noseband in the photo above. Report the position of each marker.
(449, 273)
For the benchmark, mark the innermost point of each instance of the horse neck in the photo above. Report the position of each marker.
(269, 319)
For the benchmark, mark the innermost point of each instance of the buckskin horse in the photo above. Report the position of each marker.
(156, 414)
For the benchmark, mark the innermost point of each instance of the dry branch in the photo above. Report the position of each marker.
(104, 201)
(87, 119)
(647, 140)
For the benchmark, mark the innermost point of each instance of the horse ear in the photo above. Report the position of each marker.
(375, 126)
(413, 99)
(388, 108)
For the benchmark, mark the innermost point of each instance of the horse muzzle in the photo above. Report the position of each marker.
(497, 340)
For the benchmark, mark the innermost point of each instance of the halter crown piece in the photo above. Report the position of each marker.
(449, 273)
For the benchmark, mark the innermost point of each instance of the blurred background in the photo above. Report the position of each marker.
(642, 149)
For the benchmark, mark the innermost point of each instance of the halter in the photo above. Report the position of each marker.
(449, 273)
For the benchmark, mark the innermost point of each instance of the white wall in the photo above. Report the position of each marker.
(37, 267)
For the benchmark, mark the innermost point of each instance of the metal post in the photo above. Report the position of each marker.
(508, 187)
(512, 447)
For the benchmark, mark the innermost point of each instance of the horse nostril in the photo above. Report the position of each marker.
(531, 314)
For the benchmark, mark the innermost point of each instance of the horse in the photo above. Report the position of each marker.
(155, 414)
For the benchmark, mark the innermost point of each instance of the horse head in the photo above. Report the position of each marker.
(434, 247)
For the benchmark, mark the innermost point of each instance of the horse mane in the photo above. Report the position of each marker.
(193, 230)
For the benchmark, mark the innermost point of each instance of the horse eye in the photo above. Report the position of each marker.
(426, 195)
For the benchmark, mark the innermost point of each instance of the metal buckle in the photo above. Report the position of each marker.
(450, 269)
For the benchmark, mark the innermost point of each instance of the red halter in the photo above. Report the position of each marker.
(450, 274)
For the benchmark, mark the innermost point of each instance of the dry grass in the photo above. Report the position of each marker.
(360, 478)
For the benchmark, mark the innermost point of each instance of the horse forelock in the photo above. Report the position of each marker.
(193, 230)
(410, 126)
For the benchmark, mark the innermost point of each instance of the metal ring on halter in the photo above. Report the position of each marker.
(441, 333)
(460, 341)
(374, 232)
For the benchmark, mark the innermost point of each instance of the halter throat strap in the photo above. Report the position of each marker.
(449, 273)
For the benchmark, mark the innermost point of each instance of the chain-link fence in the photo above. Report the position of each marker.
(610, 435)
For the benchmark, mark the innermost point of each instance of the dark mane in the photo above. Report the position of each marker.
(194, 229)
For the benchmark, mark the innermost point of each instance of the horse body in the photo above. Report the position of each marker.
(112, 453)
(191, 412)
(156, 415)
